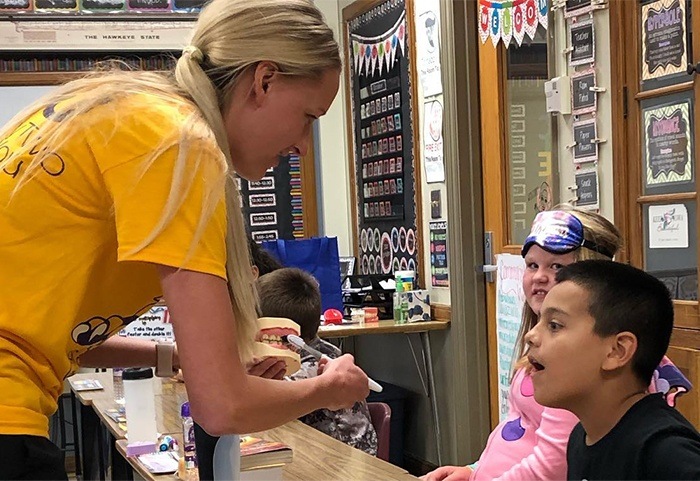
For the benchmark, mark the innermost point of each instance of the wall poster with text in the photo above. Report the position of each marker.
(665, 42)
(667, 141)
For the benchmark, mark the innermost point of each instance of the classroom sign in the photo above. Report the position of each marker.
(511, 20)
(509, 309)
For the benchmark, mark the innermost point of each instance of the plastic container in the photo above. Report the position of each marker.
(404, 280)
(139, 403)
(189, 448)
(118, 385)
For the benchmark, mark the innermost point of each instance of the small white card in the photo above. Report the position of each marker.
(86, 385)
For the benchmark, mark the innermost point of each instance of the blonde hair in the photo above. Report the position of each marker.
(229, 37)
(596, 229)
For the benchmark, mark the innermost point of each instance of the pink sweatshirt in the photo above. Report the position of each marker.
(530, 443)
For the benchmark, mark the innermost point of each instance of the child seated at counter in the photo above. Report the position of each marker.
(603, 329)
(294, 294)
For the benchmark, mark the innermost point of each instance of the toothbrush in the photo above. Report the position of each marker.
(299, 342)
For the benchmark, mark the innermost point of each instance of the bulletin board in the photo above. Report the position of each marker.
(381, 104)
(282, 205)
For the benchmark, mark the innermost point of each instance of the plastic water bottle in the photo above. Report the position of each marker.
(140, 405)
(188, 447)
(118, 385)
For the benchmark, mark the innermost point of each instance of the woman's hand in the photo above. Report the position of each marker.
(344, 382)
(449, 473)
(268, 368)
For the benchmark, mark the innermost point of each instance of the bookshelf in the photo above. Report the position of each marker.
(38, 48)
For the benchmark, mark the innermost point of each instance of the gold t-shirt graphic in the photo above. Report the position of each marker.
(71, 272)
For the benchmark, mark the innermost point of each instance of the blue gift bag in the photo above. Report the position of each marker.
(317, 256)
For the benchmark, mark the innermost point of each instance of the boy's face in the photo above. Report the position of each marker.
(565, 354)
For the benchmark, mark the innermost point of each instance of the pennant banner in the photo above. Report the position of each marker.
(380, 52)
(511, 20)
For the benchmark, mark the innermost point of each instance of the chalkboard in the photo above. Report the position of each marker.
(584, 100)
(188, 5)
(379, 63)
(668, 144)
(585, 149)
(15, 4)
(576, 7)
(587, 188)
(56, 4)
(98, 5)
(272, 206)
(665, 43)
(582, 43)
(149, 4)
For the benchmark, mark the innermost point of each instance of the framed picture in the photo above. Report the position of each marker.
(347, 264)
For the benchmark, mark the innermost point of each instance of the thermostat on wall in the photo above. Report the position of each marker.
(558, 94)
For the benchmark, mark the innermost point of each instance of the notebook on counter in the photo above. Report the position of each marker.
(257, 453)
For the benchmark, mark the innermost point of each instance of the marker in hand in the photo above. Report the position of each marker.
(299, 342)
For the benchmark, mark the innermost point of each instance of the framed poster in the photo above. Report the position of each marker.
(664, 43)
(584, 98)
(573, 8)
(585, 141)
(379, 64)
(582, 41)
(667, 144)
(587, 188)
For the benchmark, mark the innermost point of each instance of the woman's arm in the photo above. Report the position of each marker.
(118, 351)
(223, 398)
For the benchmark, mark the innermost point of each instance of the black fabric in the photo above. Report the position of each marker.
(651, 441)
(30, 458)
(205, 444)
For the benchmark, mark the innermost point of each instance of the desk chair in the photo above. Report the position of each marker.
(380, 413)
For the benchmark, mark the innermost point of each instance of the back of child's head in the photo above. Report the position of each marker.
(261, 259)
(292, 293)
(622, 298)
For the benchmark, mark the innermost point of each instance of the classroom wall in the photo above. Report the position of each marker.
(16, 98)
(601, 21)
(335, 216)
(385, 357)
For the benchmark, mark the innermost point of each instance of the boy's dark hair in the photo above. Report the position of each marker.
(623, 298)
(262, 259)
(292, 293)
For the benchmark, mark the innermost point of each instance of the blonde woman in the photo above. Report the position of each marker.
(531, 442)
(118, 189)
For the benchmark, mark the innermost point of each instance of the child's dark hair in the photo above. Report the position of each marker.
(623, 298)
(292, 293)
(262, 259)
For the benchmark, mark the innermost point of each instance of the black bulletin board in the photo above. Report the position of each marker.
(379, 72)
(272, 206)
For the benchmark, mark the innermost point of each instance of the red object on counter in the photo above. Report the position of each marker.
(333, 316)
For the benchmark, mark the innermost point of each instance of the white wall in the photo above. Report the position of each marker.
(14, 99)
(601, 20)
(332, 154)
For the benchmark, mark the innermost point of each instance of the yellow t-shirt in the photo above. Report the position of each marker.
(69, 276)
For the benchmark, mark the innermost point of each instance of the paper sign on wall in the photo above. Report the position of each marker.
(155, 324)
(668, 226)
(428, 46)
(432, 143)
(510, 299)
